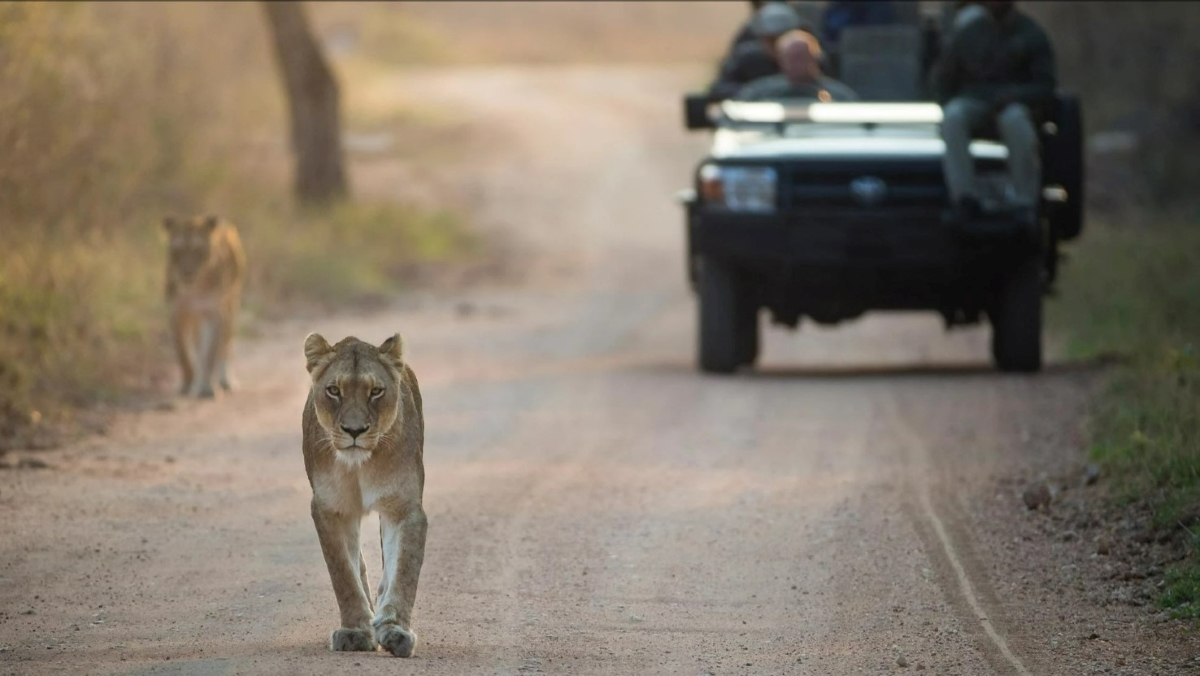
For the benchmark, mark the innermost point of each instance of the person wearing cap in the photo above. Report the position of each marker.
(799, 56)
(774, 19)
(996, 72)
(751, 56)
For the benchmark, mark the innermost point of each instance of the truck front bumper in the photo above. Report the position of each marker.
(850, 261)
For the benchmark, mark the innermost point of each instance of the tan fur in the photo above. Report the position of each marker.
(375, 396)
(205, 271)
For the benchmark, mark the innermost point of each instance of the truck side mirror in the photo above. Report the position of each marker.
(695, 112)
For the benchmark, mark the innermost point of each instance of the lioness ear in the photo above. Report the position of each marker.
(393, 347)
(316, 351)
(210, 222)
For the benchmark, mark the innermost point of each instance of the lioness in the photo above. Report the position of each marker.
(205, 268)
(364, 432)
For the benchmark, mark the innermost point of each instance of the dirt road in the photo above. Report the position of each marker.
(595, 505)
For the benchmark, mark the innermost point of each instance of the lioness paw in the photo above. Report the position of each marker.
(351, 640)
(399, 642)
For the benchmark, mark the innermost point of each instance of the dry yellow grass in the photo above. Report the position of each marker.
(112, 115)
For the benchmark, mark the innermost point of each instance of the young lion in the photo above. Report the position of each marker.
(205, 268)
(364, 433)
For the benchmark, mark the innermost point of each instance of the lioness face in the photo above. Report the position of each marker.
(355, 392)
(190, 243)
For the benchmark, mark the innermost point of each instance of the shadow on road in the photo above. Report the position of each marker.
(866, 371)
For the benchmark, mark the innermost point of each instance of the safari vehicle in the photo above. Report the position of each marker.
(830, 210)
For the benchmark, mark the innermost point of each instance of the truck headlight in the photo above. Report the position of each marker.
(739, 188)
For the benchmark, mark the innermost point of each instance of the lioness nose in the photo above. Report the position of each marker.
(355, 431)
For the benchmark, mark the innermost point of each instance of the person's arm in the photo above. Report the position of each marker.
(1040, 72)
(721, 87)
(751, 91)
(840, 91)
(726, 83)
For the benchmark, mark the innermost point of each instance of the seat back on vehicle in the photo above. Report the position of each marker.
(810, 11)
(882, 63)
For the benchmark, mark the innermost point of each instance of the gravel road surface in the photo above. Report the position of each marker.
(596, 505)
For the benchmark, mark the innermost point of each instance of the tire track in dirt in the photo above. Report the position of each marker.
(945, 535)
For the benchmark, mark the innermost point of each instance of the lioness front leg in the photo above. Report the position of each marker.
(207, 352)
(228, 326)
(183, 330)
(338, 534)
(403, 552)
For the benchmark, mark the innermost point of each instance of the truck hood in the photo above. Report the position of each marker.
(819, 141)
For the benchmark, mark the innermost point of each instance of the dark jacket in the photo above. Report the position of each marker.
(998, 63)
(745, 63)
(843, 14)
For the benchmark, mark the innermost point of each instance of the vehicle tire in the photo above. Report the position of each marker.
(1016, 318)
(719, 343)
(747, 331)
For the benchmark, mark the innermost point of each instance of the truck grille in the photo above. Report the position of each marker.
(870, 186)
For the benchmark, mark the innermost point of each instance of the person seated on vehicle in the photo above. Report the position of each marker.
(842, 14)
(997, 72)
(799, 56)
(751, 55)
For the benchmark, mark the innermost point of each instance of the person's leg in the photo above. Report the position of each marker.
(961, 117)
(1016, 128)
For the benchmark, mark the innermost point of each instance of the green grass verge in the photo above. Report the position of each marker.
(347, 253)
(1136, 292)
(1182, 593)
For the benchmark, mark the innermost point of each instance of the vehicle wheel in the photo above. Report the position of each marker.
(747, 331)
(1016, 318)
(719, 349)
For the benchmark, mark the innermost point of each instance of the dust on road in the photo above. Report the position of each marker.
(595, 505)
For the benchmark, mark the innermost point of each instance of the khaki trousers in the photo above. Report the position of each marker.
(963, 118)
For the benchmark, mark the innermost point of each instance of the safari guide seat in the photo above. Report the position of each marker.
(882, 63)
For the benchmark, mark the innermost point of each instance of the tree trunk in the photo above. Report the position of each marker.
(312, 93)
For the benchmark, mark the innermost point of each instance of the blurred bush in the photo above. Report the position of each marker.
(1137, 67)
(110, 115)
(113, 114)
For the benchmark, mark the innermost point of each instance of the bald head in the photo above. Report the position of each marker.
(799, 56)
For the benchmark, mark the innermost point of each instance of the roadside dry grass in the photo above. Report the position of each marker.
(1135, 292)
(115, 114)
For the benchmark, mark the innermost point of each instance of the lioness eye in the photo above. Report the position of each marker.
(376, 392)
(333, 391)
